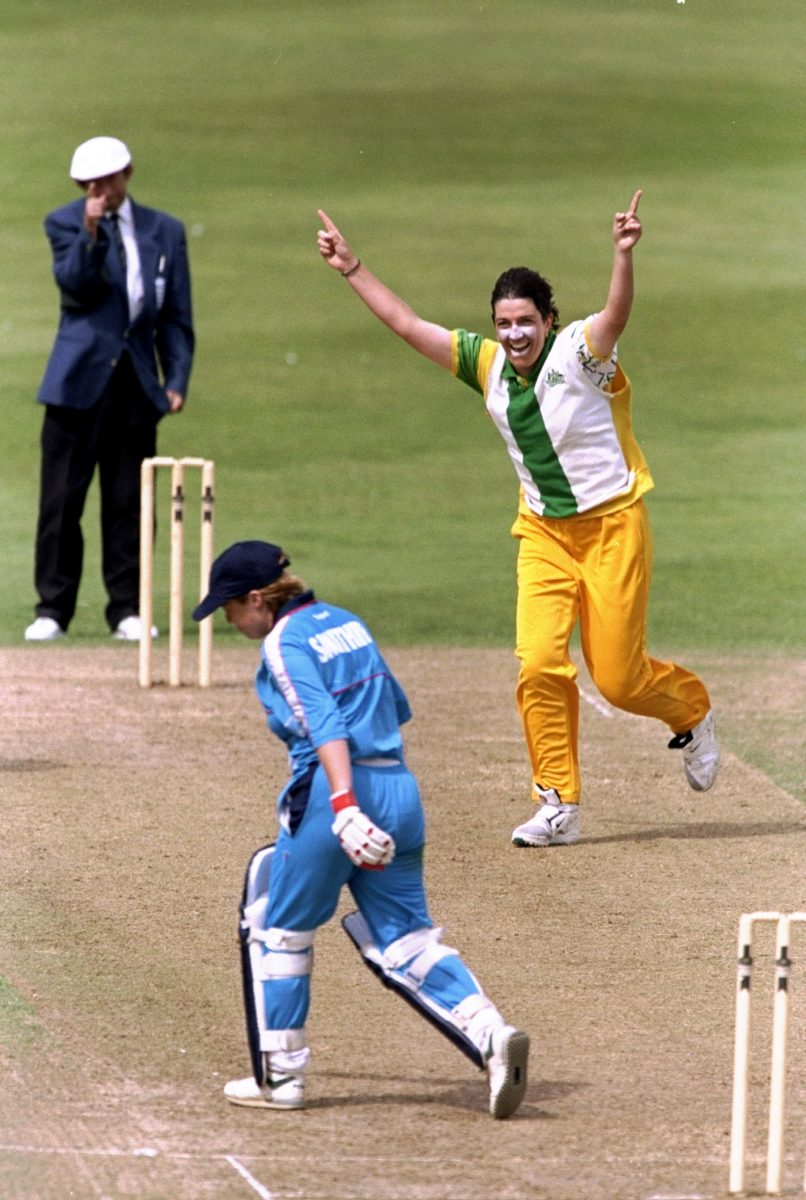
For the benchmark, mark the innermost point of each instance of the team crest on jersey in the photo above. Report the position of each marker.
(554, 377)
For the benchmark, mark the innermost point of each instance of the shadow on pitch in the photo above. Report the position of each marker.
(700, 831)
(470, 1095)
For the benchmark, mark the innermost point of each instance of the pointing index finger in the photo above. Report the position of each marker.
(329, 226)
(634, 203)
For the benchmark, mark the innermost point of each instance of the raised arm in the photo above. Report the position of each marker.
(607, 326)
(432, 341)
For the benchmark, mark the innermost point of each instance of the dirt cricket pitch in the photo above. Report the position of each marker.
(128, 818)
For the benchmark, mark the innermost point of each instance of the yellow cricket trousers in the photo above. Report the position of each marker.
(595, 570)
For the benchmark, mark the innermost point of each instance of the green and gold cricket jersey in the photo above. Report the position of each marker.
(567, 428)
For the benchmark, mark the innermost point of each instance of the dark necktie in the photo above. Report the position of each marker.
(118, 238)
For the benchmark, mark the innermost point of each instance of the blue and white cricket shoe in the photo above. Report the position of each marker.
(283, 1091)
(507, 1059)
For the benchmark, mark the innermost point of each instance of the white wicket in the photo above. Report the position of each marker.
(741, 1082)
(176, 614)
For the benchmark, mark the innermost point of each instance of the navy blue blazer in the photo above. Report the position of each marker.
(94, 326)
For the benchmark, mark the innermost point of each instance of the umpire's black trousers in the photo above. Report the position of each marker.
(115, 435)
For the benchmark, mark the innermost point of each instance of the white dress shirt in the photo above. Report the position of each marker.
(134, 274)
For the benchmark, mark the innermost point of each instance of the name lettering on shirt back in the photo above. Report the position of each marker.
(340, 640)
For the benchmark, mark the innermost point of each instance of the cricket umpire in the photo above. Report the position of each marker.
(351, 815)
(121, 360)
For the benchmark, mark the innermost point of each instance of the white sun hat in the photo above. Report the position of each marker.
(98, 157)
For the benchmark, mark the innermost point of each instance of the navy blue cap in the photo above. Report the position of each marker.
(240, 569)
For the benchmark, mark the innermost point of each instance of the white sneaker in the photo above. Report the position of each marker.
(700, 753)
(284, 1091)
(553, 824)
(507, 1057)
(130, 630)
(44, 629)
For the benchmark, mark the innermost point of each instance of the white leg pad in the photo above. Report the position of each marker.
(286, 940)
(289, 1062)
(285, 966)
(269, 954)
(477, 1016)
(283, 1039)
(424, 945)
(423, 948)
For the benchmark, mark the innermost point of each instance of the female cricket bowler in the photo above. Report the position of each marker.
(350, 815)
(561, 402)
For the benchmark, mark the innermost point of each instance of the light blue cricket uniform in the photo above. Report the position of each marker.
(322, 678)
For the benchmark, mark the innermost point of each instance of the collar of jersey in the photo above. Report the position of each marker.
(295, 602)
(509, 372)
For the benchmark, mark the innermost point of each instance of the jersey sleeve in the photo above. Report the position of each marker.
(466, 358)
(299, 681)
(600, 371)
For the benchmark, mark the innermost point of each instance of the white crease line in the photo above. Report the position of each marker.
(599, 705)
(89, 1151)
(659, 1159)
(258, 1187)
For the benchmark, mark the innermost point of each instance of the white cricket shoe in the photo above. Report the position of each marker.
(283, 1091)
(130, 630)
(507, 1057)
(554, 824)
(700, 753)
(44, 629)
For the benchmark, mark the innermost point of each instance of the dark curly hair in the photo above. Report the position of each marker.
(521, 283)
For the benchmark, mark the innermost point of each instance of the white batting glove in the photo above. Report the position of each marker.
(364, 843)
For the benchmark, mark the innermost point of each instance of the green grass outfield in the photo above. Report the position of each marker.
(450, 139)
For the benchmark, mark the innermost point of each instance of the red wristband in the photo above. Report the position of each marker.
(343, 799)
